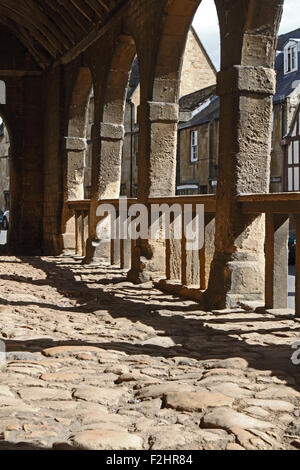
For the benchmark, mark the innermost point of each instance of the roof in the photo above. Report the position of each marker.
(210, 111)
(194, 100)
(50, 30)
(284, 38)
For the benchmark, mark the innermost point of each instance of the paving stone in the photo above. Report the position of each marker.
(104, 396)
(107, 440)
(39, 393)
(156, 391)
(5, 391)
(61, 377)
(226, 418)
(274, 405)
(196, 401)
(278, 392)
(230, 389)
(62, 351)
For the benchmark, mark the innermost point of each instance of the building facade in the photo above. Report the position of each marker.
(198, 72)
(199, 134)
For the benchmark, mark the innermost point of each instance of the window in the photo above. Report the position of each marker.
(194, 146)
(293, 166)
(291, 57)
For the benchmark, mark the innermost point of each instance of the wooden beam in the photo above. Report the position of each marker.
(95, 34)
(84, 9)
(19, 73)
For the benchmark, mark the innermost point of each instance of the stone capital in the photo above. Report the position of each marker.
(76, 144)
(109, 131)
(157, 111)
(246, 79)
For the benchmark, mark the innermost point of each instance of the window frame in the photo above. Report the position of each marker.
(194, 157)
(290, 57)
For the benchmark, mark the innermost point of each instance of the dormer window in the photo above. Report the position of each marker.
(291, 56)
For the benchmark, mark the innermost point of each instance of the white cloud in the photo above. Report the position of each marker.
(206, 24)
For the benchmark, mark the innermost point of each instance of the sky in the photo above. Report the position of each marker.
(206, 25)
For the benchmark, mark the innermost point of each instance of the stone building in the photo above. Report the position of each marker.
(197, 72)
(53, 53)
(4, 167)
(199, 132)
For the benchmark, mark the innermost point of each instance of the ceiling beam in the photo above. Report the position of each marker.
(95, 34)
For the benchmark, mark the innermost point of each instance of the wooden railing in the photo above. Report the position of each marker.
(81, 210)
(182, 267)
(191, 268)
(278, 208)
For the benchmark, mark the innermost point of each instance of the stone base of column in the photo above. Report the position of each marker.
(97, 252)
(148, 262)
(234, 281)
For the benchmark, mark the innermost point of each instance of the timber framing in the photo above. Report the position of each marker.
(56, 31)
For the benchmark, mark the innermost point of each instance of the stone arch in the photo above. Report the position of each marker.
(76, 143)
(108, 133)
(12, 183)
(176, 22)
(113, 113)
(76, 147)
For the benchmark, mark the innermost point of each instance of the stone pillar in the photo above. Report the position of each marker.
(157, 177)
(237, 270)
(76, 151)
(75, 158)
(106, 180)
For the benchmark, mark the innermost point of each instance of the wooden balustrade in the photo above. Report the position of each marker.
(81, 211)
(191, 268)
(278, 208)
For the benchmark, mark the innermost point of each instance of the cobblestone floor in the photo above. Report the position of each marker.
(94, 362)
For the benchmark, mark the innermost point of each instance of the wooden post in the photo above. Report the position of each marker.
(297, 269)
(276, 261)
(76, 232)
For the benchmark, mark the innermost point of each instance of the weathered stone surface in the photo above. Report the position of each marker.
(155, 391)
(107, 440)
(104, 396)
(196, 401)
(61, 351)
(227, 418)
(278, 392)
(60, 377)
(103, 380)
(39, 393)
(274, 405)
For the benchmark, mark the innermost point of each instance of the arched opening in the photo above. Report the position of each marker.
(78, 147)
(130, 153)
(4, 182)
(110, 116)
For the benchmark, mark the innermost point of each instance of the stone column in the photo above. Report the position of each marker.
(75, 158)
(76, 151)
(237, 270)
(157, 177)
(106, 180)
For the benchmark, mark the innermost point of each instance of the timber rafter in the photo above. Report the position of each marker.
(56, 31)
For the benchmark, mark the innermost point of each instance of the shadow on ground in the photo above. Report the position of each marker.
(196, 337)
